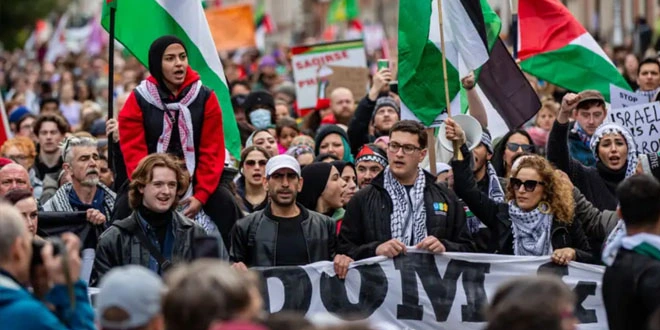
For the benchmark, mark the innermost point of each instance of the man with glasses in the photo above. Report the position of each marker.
(589, 113)
(404, 206)
(285, 233)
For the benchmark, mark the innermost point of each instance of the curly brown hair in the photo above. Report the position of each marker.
(143, 174)
(557, 192)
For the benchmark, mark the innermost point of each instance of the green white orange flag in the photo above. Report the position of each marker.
(553, 46)
(139, 23)
(471, 29)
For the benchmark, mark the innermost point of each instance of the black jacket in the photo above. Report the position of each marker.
(587, 179)
(496, 217)
(254, 238)
(367, 219)
(631, 288)
(358, 127)
(119, 246)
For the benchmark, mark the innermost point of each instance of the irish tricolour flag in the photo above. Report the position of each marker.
(140, 22)
(470, 30)
(553, 46)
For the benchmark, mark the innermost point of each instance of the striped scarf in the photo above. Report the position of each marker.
(643, 243)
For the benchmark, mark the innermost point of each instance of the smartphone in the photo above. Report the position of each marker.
(383, 64)
(394, 87)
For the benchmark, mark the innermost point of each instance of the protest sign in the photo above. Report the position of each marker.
(424, 291)
(232, 27)
(621, 98)
(311, 67)
(355, 79)
(643, 121)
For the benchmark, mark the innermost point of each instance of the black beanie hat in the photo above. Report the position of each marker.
(315, 176)
(327, 130)
(156, 51)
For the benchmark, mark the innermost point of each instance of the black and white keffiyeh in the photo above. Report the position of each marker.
(407, 222)
(610, 128)
(531, 231)
(495, 191)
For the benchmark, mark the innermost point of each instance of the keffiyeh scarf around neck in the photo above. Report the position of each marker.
(149, 91)
(531, 231)
(582, 134)
(610, 128)
(407, 222)
(642, 243)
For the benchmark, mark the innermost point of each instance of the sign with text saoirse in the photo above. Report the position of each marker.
(423, 291)
(311, 67)
(643, 121)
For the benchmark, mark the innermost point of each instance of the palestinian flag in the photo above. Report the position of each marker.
(139, 23)
(262, 20)
(553, 46)
(471, 29)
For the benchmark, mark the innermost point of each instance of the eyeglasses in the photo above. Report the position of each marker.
(252, 162)
(530, 185)
(408, 149)
(515, 146)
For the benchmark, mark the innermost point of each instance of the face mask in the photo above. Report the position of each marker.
(260, 118)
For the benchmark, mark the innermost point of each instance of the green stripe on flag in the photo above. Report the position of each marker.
(421, 81)
(331, 48)
(575, 68)
(343, 10)
(139, 23)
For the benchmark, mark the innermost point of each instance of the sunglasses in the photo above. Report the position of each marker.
(515, 146)
(530, 185)
(253, 162)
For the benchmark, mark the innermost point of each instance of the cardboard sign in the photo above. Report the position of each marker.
(621, 98)
(232, 27)
(643, 121)
(355, 79)
(311, 67)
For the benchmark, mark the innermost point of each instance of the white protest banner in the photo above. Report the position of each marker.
(311, 66)
(643, 121)
(424, 291)
(621, 98)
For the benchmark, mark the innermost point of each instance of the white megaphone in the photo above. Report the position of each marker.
(470, 126)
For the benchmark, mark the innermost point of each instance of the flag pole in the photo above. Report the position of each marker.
(111, 79)
(457, 151)
(513, 4)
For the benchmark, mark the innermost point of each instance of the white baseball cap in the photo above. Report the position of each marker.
(282, 161)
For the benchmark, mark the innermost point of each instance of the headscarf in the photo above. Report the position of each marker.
(156, 51)
(610, 128)
(334, 129)
(315, 178)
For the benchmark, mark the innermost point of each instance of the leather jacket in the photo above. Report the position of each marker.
(254, 238)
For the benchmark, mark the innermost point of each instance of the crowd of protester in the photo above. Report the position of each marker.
(341, 183)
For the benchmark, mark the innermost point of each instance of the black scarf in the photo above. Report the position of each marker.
(611, 177)
(156, 51)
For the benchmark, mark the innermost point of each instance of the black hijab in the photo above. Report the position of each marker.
(315, 176)
(156, 51)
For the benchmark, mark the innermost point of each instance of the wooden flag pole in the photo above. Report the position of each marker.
(457, 151)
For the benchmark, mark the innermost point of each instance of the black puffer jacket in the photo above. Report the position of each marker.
(630, 290)
(119, 246)
(367, 219)
(496, 217)
(254, 238)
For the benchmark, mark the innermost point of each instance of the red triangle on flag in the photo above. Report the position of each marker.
(545, 25)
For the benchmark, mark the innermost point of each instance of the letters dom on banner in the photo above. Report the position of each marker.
(422, 291)
(643, 121)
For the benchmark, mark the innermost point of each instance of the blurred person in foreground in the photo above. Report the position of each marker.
(19, 309)
(530, 303)
(633, 259)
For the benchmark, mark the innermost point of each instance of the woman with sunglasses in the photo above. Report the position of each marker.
(537, 218)
(613, 147)
(250, 184)
(514, 143)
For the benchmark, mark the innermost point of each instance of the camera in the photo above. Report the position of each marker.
(39, 244)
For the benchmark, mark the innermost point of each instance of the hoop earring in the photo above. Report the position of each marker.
(544, 207)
